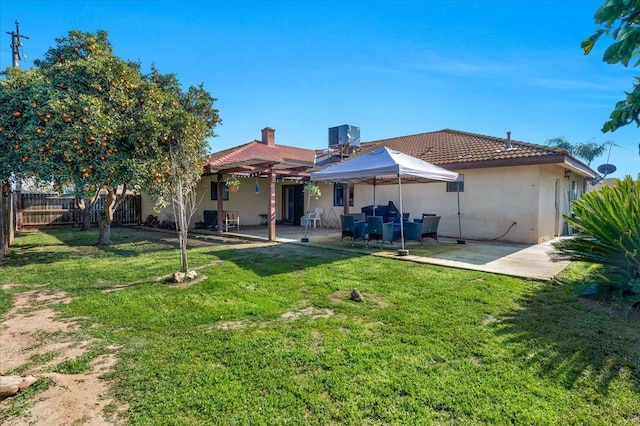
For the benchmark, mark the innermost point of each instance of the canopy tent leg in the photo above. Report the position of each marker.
(460, 240)
(402, 251)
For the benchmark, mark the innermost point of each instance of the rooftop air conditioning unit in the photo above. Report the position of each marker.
(344, 135)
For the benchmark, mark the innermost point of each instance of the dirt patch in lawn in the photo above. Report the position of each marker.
(310, 312)
(33, 341)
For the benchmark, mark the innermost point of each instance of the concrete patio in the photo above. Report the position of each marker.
(518, 260)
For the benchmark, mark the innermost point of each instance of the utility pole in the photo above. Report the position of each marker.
(16, 44)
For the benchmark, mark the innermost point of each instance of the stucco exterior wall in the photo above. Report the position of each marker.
(249, 204)
(492, 201)
(533, 197)
(246, 201)
(499, 203)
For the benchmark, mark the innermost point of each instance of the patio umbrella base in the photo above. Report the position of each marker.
(403, 252)
(304, 240)
(461, 242)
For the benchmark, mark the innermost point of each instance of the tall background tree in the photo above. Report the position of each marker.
(586, 151)
(620, 20)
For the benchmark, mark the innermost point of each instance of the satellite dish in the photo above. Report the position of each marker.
(606, 169)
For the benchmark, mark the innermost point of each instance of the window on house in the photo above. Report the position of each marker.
(214, 191)
(453, 186)
(338, 194)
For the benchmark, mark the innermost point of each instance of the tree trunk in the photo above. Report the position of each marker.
(184, 265)
(104, 236)
(182, 225)
(4, 238)
(184, 203)
(84, 205)
(85, 214)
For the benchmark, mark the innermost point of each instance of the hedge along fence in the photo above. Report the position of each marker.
(46, 210)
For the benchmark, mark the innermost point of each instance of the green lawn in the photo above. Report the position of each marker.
(271, 337)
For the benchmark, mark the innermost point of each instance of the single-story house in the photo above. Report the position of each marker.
(510, 190)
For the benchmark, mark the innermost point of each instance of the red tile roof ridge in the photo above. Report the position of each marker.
(258, 150)
(495, 139)
(220, 155)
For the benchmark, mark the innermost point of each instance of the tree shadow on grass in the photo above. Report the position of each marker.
(71, 244)
(264, 259)
(570, 341)
(126, 241)
(45, 253)
(280, 258)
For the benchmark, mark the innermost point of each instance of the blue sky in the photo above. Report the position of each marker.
(393, 68)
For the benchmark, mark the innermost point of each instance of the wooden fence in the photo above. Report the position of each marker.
(46, 210)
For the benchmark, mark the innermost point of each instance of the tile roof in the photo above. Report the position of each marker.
(257, 154)
(453, 149)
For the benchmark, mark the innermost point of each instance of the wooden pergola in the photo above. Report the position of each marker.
(261, 159)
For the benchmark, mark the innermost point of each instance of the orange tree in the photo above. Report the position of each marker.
(97, 114)
(81, 116)
(70, 117)
(21, 94)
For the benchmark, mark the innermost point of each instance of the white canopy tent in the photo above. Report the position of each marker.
(385, 166)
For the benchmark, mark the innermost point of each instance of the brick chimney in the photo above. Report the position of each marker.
(269, 136)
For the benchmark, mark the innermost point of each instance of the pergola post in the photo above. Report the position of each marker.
(271, 218)
(219, 207)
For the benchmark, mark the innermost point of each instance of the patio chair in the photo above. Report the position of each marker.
(313, 217)
(421, 229)
(232, 219)
(356, 229)
(377, 230)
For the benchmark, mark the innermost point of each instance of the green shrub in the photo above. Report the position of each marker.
(608, 233)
